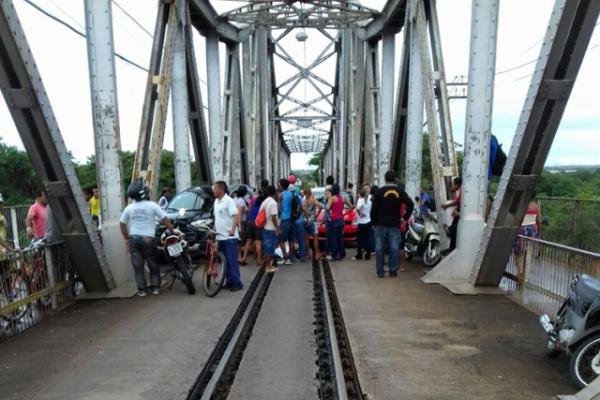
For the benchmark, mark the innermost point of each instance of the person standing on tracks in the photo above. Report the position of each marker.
(138, 229)
(271, 229)
(227, 220)
(387, 217)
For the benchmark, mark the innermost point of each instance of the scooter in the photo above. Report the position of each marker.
(423, 240)
(576, 329)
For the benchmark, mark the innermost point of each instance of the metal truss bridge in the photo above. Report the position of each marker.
(357, 116)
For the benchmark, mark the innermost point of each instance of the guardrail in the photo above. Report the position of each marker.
(34, 282)
(15, 221)
(542, 283)
(572, 222)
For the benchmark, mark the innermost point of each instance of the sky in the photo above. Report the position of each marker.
(62, 59)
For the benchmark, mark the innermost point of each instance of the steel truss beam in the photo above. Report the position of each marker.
(391, 19)
(443, 167)
(26, 97)
(301, 14)
(370, 136)
(154, 112)
(567, 38)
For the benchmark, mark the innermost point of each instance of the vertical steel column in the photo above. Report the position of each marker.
(231, 116)
(387, 104)
(482, 67)
(103, 87)
(414, 136)
(357, 85)
(250, 94)
(264, 80)
(341, 147)
(179, 95)
(214, 104)
(372, 115)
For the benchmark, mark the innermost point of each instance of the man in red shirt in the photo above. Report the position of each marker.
(452, 229)
(36, 217)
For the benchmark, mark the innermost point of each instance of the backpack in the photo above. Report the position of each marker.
(296, 207)
(499, 162)
(261, 219)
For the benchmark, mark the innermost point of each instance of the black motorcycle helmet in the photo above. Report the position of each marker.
(138, 191)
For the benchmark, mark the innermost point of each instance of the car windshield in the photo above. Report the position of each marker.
(186, 200)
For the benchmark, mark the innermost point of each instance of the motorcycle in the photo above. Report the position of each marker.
(576, 329)
(423, 240)
(176, 251)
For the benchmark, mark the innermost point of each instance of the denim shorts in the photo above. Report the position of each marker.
(286, 231)
(269, 242)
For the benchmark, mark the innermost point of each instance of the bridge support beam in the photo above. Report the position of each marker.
(369, 149)
(232, 124)
(28, 103)
(103, 89)
(180, 107)
(457, 268)
(215, 125)
(414, 117)
(264, 81)
(387, 104)
(567, 38)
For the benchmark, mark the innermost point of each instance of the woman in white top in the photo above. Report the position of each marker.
(363, 217)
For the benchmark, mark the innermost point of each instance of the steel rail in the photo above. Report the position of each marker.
(230, 347)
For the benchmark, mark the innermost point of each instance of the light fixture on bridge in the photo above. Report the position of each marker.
(301, 36)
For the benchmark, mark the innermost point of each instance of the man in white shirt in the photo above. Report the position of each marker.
(227, 220)
(138, 230)
(363, 217)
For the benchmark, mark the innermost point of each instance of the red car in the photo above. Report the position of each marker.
(350, 225)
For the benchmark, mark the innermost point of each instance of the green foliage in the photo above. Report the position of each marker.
(581, 183)
(18, 181)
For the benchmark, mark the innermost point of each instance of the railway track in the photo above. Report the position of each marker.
(336, 374)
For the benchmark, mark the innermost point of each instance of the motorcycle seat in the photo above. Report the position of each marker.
(588, 288)
(418, 228)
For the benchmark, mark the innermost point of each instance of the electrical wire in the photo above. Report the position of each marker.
(135, 21)
(76, 31)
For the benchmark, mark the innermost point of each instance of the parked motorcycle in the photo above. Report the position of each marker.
(423, 240)
(176, 250)
(576, 329)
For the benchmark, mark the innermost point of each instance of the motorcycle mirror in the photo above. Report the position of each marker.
(181, 212)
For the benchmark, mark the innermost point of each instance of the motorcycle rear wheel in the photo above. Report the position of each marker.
(585, 362)
(185, 269)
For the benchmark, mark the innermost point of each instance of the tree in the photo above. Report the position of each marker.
(18, 181)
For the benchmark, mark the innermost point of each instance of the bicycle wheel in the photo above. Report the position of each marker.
(39, 282)
(185, 269)
(214, 274)
(17, 290)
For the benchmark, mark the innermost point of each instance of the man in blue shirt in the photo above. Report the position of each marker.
(425, 202)
(285, 200)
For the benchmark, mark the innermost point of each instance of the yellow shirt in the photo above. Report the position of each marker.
(94, 207)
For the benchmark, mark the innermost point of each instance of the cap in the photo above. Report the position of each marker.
(291, 179)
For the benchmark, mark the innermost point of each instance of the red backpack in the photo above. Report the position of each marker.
(261, 219)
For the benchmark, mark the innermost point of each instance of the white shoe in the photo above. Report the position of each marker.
(329, 258)
(287, 262)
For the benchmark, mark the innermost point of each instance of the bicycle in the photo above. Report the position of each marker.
(216, 265)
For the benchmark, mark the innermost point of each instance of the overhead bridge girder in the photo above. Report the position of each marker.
(26, 97)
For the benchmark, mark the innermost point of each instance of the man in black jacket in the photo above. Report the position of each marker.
(386, 216)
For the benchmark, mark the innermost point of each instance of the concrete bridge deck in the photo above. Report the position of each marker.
(410, 341)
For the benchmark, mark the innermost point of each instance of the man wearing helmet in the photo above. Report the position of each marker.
(138, 230)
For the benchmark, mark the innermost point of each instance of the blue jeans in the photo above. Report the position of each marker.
(286, 231)
(387, 237)
(299, 236)
(230, 249)
(335, 238)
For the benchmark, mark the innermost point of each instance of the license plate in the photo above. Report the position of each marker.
(175, 249)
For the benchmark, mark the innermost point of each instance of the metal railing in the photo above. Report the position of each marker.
(34, 282)
(541, 281)
(572, 222)
(15, 221)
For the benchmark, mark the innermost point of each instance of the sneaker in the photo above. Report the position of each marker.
(393, 274)
(236, 288)
(287, 262)
(156, 292)
(141, 293)
(329, 258)
(355, 258)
